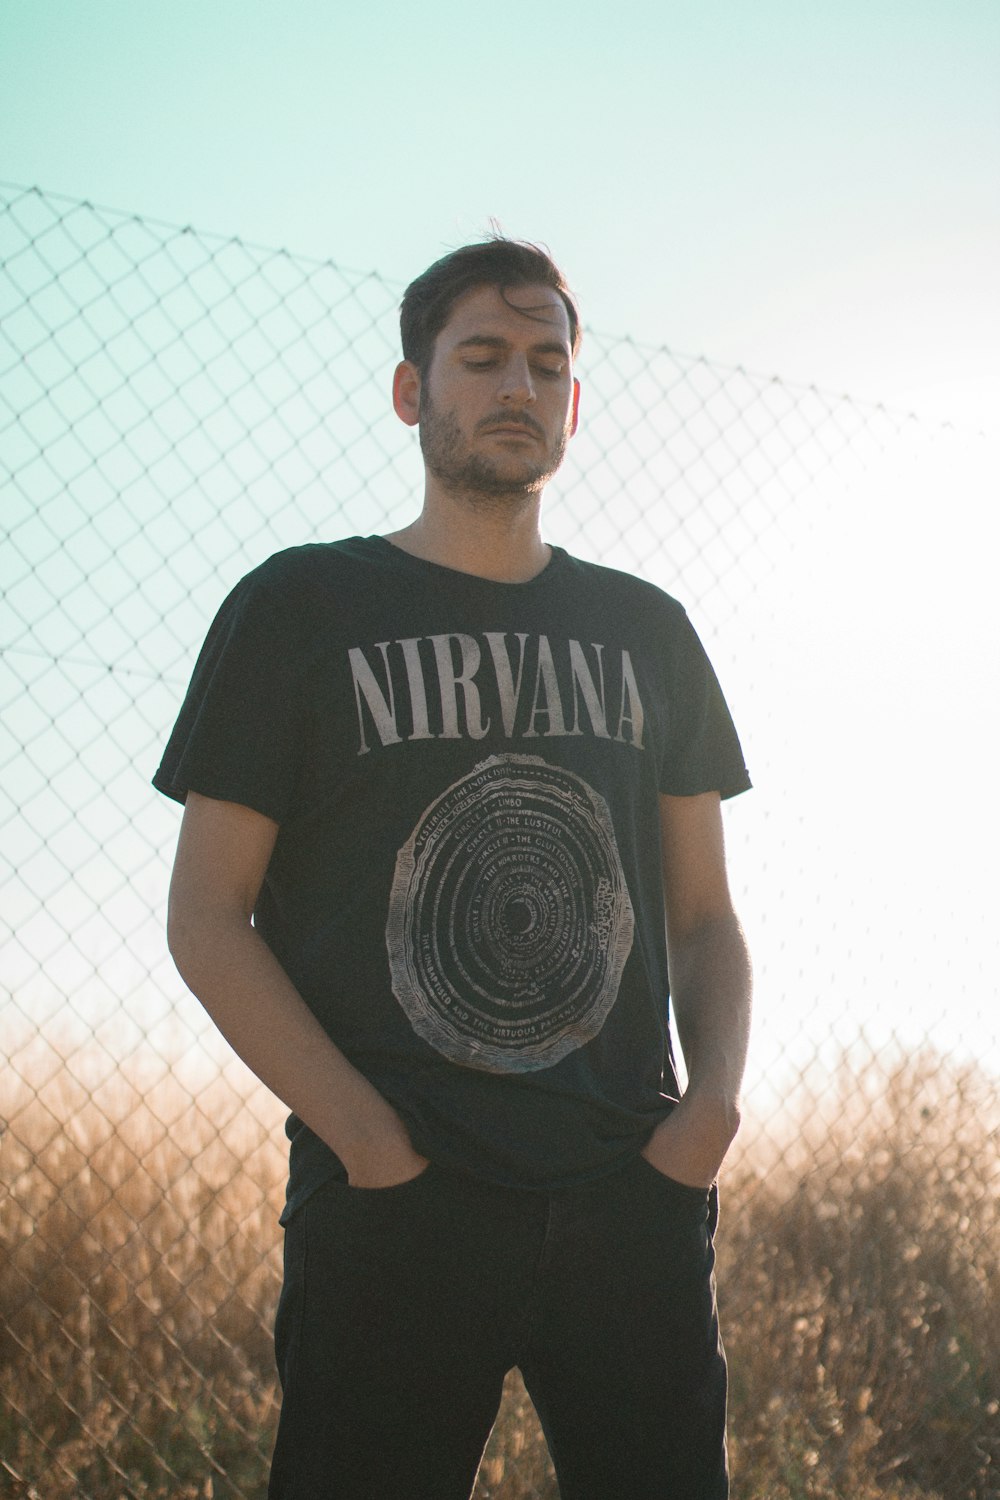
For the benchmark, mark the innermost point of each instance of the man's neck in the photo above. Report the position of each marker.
(499, 541)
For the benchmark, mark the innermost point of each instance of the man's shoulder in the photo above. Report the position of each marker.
(624, 588)
(298, 579)
(300, 589)
(311, 562)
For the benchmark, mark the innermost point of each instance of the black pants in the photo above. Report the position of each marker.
(403, 1308)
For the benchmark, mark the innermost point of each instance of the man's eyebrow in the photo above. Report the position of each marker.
(494, 341)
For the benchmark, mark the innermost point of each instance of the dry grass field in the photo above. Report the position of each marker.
(859, 1271)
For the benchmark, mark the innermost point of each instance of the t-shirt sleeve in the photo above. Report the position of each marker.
(238, 736)
(702, 752)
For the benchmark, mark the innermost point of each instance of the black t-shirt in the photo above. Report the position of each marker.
(466, 886)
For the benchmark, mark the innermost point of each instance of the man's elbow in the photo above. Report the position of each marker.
(184, 936)
(196, 936)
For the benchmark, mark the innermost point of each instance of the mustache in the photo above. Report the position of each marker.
(506, 419)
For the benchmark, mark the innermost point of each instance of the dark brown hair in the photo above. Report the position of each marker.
(498, 262)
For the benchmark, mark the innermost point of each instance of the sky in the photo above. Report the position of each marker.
(808, 188)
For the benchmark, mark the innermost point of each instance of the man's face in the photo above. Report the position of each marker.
(498, 399)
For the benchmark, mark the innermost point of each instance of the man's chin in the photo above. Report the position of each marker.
(514, 482)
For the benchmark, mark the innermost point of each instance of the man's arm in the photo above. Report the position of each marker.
(222, 857)
(710, 985)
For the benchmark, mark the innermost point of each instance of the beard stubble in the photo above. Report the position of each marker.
(473, 476)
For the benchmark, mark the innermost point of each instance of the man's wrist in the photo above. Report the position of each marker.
(716, 1110)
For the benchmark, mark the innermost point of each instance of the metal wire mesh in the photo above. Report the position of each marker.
(175, 406)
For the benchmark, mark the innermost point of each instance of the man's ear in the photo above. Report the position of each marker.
(576, 407)
(406, 393)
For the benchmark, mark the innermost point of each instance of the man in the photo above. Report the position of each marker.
(456, 776)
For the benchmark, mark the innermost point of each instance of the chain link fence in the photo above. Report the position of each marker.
(175, 406)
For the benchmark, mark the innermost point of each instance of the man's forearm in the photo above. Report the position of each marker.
(257, 1008)
(711, 984)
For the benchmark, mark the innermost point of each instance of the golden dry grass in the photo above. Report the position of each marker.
(860, 1280)
(858, 1274)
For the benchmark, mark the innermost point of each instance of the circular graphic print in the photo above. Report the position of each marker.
(509, 919)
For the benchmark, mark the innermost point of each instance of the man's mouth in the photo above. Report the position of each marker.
(513, 429)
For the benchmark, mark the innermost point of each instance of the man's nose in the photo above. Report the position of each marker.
(517, 386)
